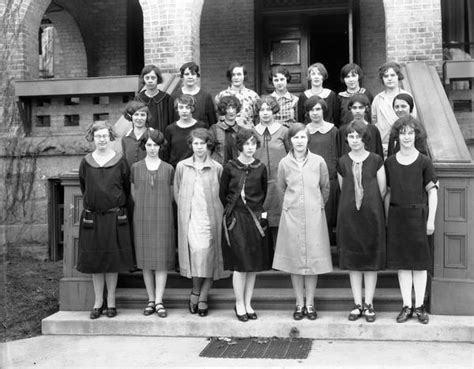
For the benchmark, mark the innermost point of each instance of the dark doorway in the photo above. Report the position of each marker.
(135, 50)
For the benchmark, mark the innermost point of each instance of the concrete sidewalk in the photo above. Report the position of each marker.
(170, 352)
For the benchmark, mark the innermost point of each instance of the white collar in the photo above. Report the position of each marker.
(325, 128)
(272, 128)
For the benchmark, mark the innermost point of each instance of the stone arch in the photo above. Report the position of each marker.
(171, 32)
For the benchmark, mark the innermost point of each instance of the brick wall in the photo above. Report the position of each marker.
(414, 30)
(227, 35)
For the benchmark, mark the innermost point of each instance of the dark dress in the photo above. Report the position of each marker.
(104, 233)
(407, 243)
(153, 216)
(204, 110)
(176, 148)
(244, 248)
(374, 145)
(345, 116)
(325, 145)
(161, 109)
(361, 233)
(330, 115)
(131, 148)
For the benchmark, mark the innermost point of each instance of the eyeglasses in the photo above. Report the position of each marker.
(101, 137)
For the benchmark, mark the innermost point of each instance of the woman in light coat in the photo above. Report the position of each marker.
(196, 186)
(302, 247)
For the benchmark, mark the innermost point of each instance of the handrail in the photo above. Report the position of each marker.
(445, 140)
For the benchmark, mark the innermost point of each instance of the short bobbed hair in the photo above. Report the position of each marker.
(151, 68)
(294, 129)
(132, 107)
(313, 100)
(231, 68)
(243, 135)
(279, 69)
(202, 134)
(351, 68)
(193, 68)
(227, 101)
(185, 99)
(155, 135)
(403, 123)
(321, 68)
(358, 98)
(270, 101)
(405, 97)
(396, 68)
(97, 126)
(360, 128)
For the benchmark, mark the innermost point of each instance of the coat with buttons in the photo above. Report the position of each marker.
(302, 245)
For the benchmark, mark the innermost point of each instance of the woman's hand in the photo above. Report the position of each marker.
(430, 227)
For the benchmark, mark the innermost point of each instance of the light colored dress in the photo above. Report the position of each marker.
(199, 219)
(248, 98)
(303, 242)
(288, 104)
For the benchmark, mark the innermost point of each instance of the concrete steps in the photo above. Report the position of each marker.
(332, 325)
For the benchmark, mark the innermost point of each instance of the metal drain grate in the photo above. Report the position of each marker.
(257, 348)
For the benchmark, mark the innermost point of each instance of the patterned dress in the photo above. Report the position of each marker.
(247, 98)
(288, 104)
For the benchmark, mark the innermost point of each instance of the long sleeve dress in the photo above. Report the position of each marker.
(199, 219)
(361, 232)
(303, 243)
(245, 246)
(204, 110)
(161, 109)
(104, 232)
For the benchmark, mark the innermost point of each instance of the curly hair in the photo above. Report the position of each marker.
(243, 135)
(193, 68)
(403, 123)
(132, 107)
(396, 68)
(270, 101)
(97, 126)
(227, 101)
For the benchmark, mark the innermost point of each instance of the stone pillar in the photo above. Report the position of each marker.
(413, 31)
(171, 32)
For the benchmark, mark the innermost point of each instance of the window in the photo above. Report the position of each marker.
(458, 29)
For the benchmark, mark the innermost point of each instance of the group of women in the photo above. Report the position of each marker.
(251, 189)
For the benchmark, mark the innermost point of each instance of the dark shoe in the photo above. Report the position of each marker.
(299, 312)
(243, 317)
(97, 312)
(311, 312)
(193, 307)
(405, 314)
(354, 315)
(150, 308)
(252, 316)
(422, 315)
(160, 310)
(369, 313)
(202, 311)
(111, 312)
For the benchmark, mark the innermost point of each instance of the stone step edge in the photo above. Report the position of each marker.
(331, 325)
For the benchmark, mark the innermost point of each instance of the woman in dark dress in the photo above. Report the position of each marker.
(245, 246)
(160, 103)
(104, 233)
(411, 204)
(361, 221)
(204, 111)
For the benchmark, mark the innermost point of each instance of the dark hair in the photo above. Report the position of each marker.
(270, 101)
(405, 97)
(185, 99)
(227, 101)
(151, 68)
(97, 126)
(313, 101)
(360, 128)
(132, 107)
(294, 129)
(360, 98)
(403, 123)
(155, 135)
(386, 66)
(193, 68)
(281, 70)
(231, 69)
(321, 68)
(202, 134)
(349, 68)
(243, 135)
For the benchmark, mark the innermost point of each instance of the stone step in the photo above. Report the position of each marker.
(331, 325)
(327, 299)
(268, 279)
